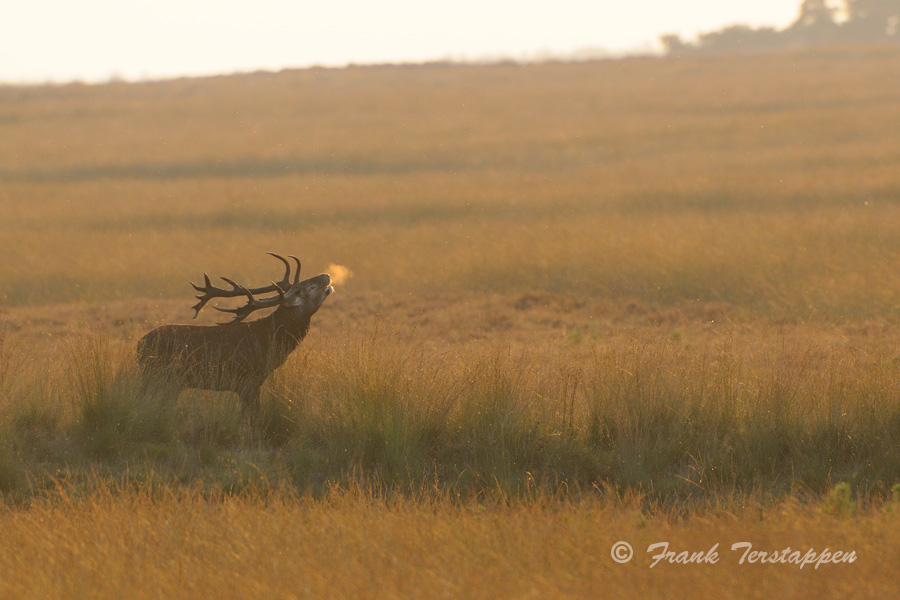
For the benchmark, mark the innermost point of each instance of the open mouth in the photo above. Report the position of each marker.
(329, 290)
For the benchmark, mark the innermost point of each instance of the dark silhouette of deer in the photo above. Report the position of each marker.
(235, 356)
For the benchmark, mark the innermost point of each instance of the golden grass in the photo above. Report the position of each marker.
(674, 277)
(766, 182)
(353, 545)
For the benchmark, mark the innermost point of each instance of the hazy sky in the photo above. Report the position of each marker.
(92, 40)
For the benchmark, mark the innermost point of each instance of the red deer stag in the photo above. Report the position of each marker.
(235, 356)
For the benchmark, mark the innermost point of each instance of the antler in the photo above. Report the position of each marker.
(253, 304)
(297, 274)
(209, 291)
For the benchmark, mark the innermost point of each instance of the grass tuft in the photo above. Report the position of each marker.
(112, 416)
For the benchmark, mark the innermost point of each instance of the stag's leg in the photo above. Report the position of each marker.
(146, 385)
(250, 400)
(149, 379)
(159, 381)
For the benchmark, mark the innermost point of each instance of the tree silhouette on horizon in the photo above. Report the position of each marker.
(819, 22)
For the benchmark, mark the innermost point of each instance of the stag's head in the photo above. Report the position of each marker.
(303, 297)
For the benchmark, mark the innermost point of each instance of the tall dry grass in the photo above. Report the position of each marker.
(724, 412)
(150, 542)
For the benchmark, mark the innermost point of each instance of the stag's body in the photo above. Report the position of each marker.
(234, 356)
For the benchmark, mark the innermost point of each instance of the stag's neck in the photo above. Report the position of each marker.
(278, 335)
(290, 325)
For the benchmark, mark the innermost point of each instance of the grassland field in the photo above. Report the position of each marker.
(650, 299)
